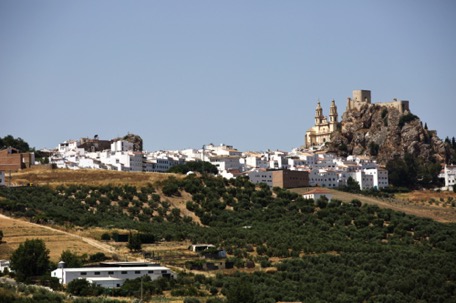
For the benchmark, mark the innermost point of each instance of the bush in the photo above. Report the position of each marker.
(171, 188)
(82, 287)
(406, 119)
(191, 300)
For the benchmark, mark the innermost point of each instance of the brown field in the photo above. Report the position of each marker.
(413, 203)
(53, 177)
(16, 231)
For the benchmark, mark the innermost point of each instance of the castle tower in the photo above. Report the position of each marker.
(333, 116)
(318, 114)
(362, 96)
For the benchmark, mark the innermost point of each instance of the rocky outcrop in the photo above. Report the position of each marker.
(384, 133)
(135, 139)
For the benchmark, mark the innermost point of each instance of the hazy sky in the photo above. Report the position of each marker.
(246, 73)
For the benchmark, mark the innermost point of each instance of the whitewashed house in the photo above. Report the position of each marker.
(226, 163)
(324, 178)
(380, 177)
(365, 181)
(2, 178)
(255, 161)
(122, 146)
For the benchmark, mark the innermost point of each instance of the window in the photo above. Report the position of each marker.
(83, 273)
(137, 272)
(124, 272)
(150, 272)
(110, 272)
(97, 273)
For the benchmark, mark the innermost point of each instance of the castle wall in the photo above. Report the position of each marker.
(402, 106)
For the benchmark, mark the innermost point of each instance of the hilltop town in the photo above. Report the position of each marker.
(336, 200)
(318, 162)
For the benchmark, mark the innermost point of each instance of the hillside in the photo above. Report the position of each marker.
(44, 175)
(283, 247)
(439, 206)
(17, 231)
(386, 133)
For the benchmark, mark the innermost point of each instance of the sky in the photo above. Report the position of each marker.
(182, 74)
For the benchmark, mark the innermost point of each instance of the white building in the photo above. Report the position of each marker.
(449, 174)
(255, 161)
(324, 178)
(226, 163)
(223, 150)
(380, 177)
(109, 277)
(365, 181)
(122, 145)
(261, 176)
(2, 178)
(317, 193)
(4, 265)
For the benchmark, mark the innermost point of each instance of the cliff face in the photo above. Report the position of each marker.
(385, 133)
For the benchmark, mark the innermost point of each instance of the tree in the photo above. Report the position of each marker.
(71, 260)
(195, 166)
(82, 287)
(134, 242)
(18, 143)
(1, 236)
(240, 292)
(30, 259)
(352, 185)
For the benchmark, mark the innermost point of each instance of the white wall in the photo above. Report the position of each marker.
(2, 178)
(66, 275)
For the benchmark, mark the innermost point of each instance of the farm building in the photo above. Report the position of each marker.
(317, 193)
(110, 277)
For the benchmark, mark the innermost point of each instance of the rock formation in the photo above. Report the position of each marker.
(384, 133)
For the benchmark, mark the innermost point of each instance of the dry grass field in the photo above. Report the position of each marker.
(16, 231)
(417, 203)
(53, 177)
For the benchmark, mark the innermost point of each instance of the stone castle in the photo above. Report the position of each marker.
(321, 132)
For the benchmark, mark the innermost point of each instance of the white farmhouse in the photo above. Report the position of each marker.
(109, 277)
(317, 193)
(2, 178)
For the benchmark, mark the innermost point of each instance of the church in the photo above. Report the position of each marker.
(321, 132)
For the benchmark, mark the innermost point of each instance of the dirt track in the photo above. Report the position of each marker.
(22, 229)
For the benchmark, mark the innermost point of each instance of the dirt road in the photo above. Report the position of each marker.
(24, 229)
